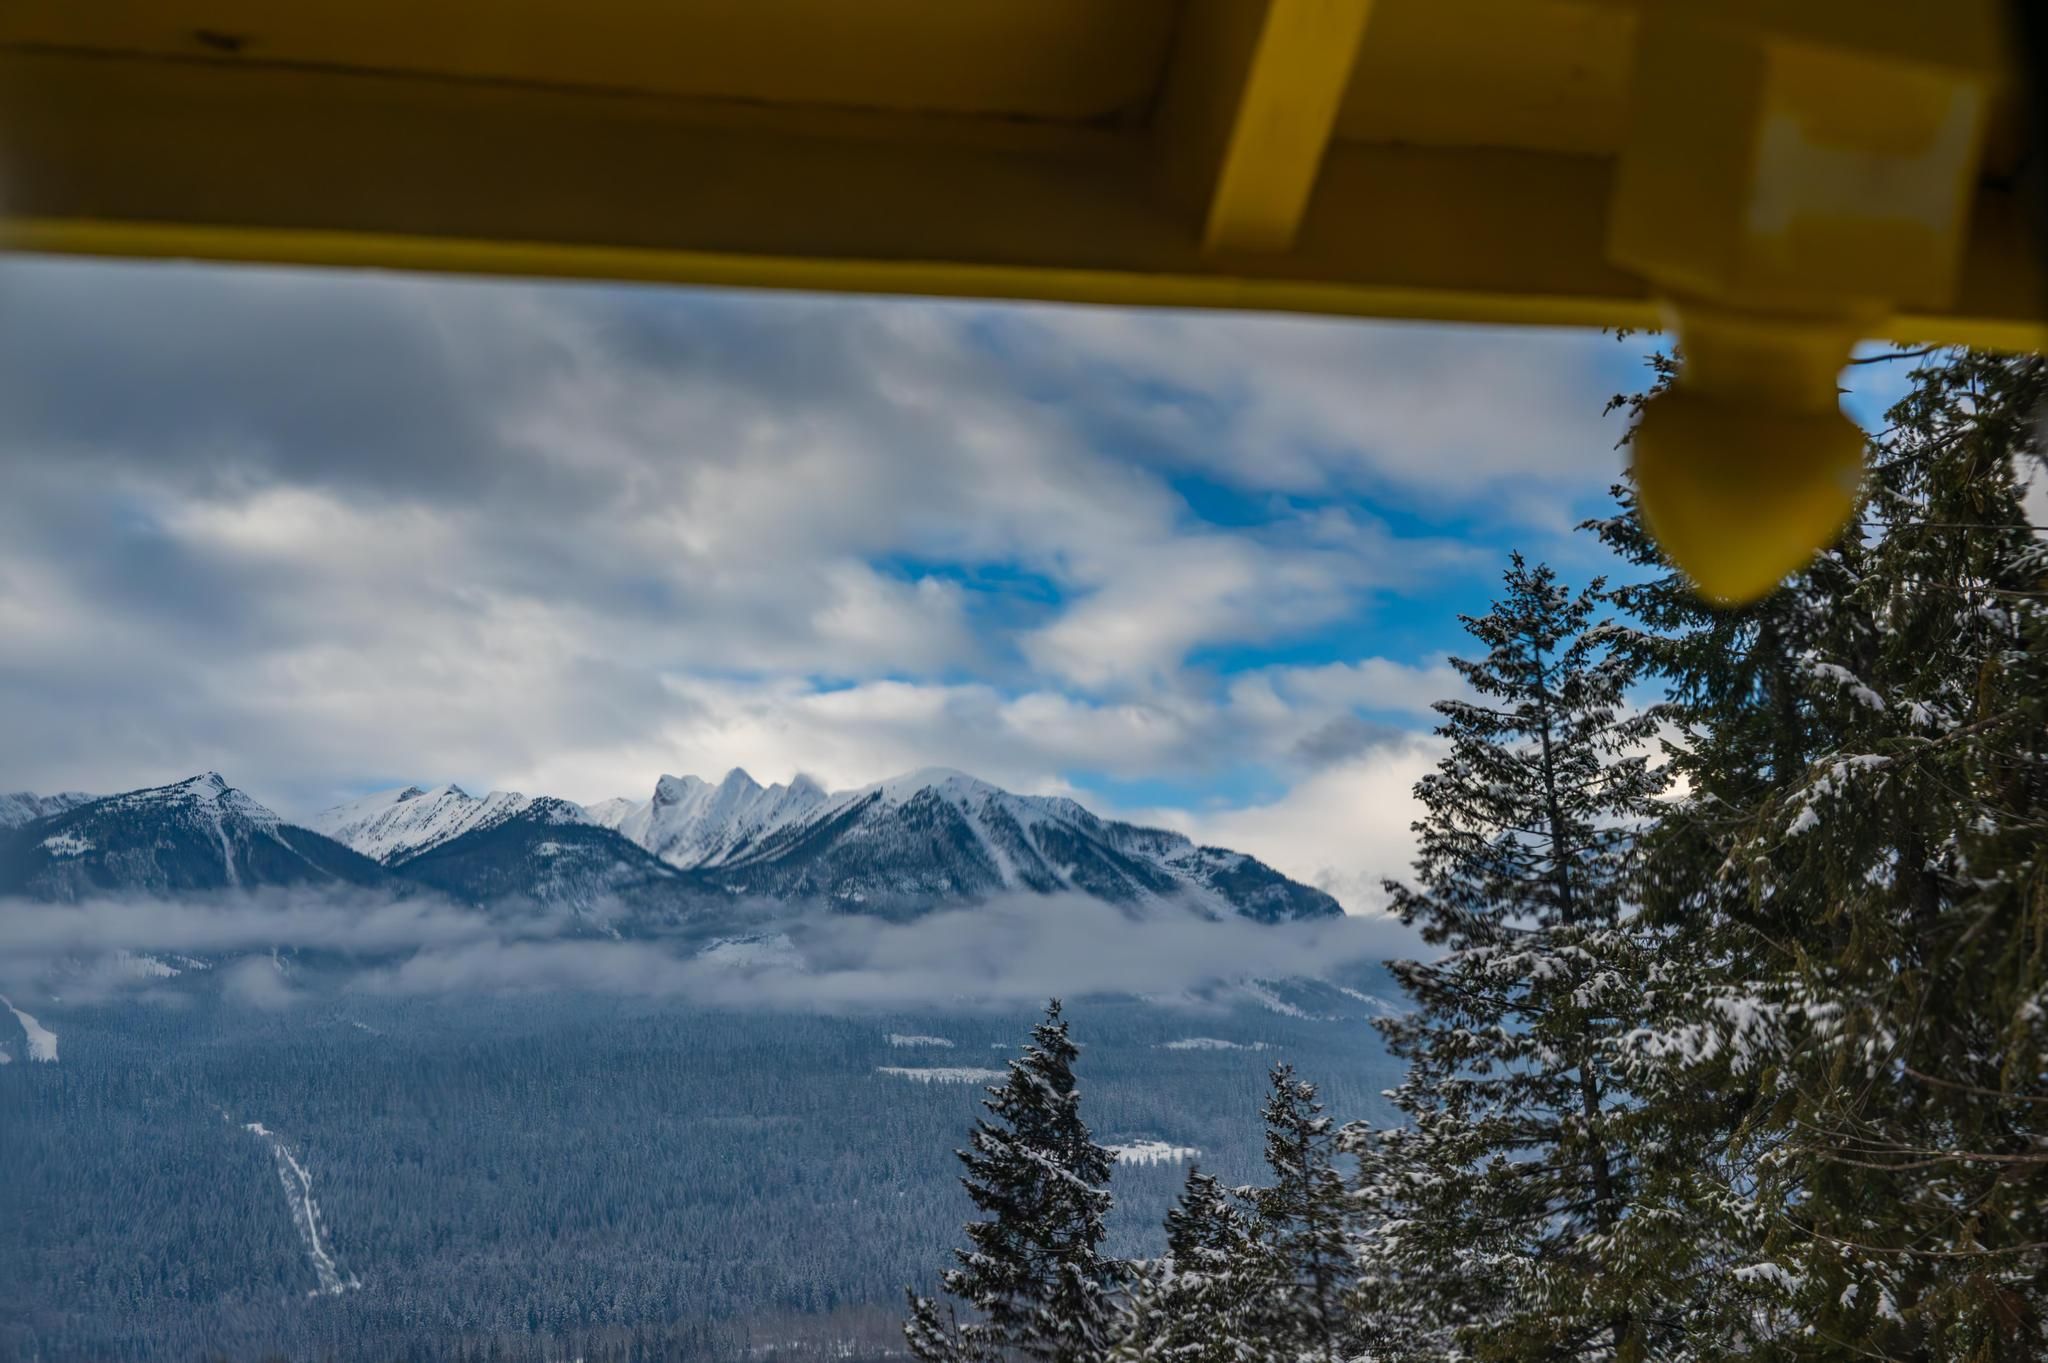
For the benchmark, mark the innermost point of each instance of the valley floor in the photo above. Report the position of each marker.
(542, 1176)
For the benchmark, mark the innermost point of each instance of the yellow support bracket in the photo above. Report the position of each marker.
(1786, 187)
(1250, 104)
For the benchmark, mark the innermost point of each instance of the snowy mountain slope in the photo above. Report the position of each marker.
(691, 823)
(197, 834)
(392, 825)
(23, 807)
(610, 813)
(939, 835)
(548, 853)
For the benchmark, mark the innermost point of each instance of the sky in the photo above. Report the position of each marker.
(332, 532)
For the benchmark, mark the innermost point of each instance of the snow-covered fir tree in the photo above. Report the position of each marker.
(1033, 1275)
(1302, 1251)
(1739, 725)
(1861, 913)
(1194, 1305)
(1503, 1208)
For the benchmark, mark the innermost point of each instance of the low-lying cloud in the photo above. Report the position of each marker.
(1005, 951)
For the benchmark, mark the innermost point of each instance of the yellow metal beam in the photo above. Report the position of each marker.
(120, 156)
(1250, 102)
(145, 157)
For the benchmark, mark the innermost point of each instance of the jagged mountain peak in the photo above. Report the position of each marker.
(690, 822)
(936, 835)
(670, 789)
(932, 835)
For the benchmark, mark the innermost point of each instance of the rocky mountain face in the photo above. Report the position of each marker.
(927, 839)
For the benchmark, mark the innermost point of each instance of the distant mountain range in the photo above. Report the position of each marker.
(928, 839)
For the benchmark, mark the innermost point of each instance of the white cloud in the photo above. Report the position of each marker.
(1369, 683)
(850, 735)
(1163, 600)
(1343, 829)
(1304, 404)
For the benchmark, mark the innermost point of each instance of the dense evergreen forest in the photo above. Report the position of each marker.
(1733, 1042)
(552, 1176)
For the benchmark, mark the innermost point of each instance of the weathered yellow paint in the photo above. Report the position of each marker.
(1248, 110)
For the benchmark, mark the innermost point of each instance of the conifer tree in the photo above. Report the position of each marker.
(1033, 1274)
(1303, 1249)
(1194, 1305)
(1861, 1024)
(1510, 1190)
(1740, 726)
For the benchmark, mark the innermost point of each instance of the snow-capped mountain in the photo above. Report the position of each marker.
(693, 824)
(22, 807)
(197, 834)
(938, 835)
(547, 852)
(393, 825)
(927, 839)
(507, 846)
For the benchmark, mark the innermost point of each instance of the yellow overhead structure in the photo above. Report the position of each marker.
(1776, 178)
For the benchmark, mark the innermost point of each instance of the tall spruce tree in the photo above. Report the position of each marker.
(1739, 728)
(1302, 1245)
(1033, 1275)
(1195, 1305)
(1509, 1192)
(1859, 1031)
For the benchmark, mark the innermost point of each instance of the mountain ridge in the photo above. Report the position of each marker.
(199, 834)
(925, 839)
(937, 833)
